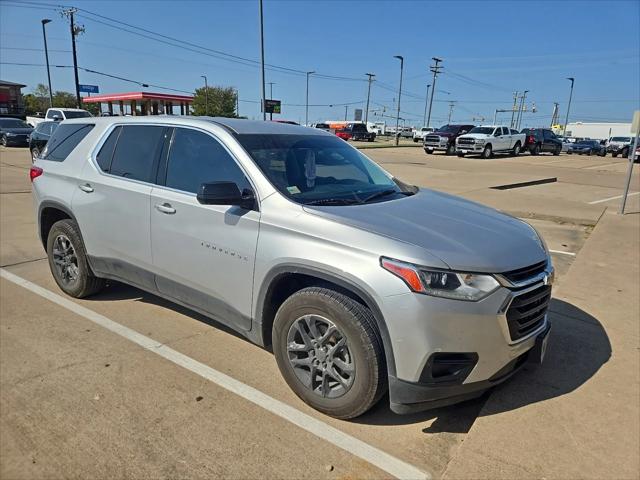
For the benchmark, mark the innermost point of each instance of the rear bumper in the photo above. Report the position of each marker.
(410, 397)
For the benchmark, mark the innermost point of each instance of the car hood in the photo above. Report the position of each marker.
(465, 235)
(441, 134)
(17, 130)
(483, 136)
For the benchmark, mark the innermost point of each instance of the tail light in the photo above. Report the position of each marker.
(35, 172)
(531, 139)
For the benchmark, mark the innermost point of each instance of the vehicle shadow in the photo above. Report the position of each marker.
(577, 348)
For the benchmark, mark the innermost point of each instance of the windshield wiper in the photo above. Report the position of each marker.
(333, 201)
(384, 193)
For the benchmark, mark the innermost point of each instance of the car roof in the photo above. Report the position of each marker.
(237, 126)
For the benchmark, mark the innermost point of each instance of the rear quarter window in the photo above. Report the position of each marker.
(64, 140)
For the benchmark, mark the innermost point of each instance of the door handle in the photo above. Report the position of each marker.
(166, 208)
(86, 188)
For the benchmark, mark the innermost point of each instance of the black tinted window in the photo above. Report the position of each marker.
(64, 140)
(196, 158)
(105, 155)
(137, 152)
(54, 113)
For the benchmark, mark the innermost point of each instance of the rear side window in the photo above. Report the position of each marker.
(64, 140)
(105, 155)
(54, 113)
(514, 132)
(196, 158)
(137, 152)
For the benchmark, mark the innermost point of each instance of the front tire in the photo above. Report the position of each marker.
(68, 261)
(460, 154)
(487, 152)
(557, 151)
(3, 140)
(614, 154)
(451, 149)
(329, 352)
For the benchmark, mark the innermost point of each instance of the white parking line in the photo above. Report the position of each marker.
(390, 464)
(563, 253)
(612, 198)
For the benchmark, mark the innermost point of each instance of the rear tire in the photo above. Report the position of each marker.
(353, 352)
(35, 153)
(614, 155)
(460, 154)
(624, 153)
(516, 149)
(68, 261)
(557, 151)
(535, 150)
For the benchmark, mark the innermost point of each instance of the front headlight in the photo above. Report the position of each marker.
(11, 134)
(479, 141)
(442, 283)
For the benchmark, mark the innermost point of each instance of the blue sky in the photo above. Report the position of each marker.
(490, 49)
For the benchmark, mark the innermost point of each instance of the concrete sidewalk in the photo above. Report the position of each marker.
(577, 416)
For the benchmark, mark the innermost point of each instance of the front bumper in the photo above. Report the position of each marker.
(422, 327)
(470, 148)
(410, 397)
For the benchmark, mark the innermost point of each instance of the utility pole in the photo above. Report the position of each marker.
(46, 56)
(451, 105)
(306, 114)
(435, 69)
(519, 117)
(75, 31)
(554, 115)
(513, 110)
(264, 111)
(426, 102)
(566, 120)
(401, 58)
(206, 96)
(346, 112)
(366, 112)
(271, 97)
(237, 103)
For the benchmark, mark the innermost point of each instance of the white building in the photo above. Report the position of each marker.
(599, 131)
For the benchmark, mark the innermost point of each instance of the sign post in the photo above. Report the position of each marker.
(635, 129)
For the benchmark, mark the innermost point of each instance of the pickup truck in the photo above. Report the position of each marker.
(418, 135)
(489, 139)
(444, 138)
(58, 114)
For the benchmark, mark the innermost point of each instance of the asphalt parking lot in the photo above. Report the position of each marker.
(125, 384)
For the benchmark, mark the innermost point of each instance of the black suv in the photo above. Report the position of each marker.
(358, 131)
(539, 140)
(40, 136)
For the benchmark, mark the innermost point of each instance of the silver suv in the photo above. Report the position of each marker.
(361, 283)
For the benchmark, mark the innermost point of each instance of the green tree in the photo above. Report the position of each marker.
(221, 102)
(38, 101)
(64, 99)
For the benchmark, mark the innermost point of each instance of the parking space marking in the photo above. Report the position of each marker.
(612, 198)
(384, 461)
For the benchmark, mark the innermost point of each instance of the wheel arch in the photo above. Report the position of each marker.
(50, 212)
(284, 280)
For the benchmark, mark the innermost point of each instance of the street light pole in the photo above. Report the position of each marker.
(426, 102)
(521, 110)
(264, 112)
(401, 58)
(306, 110)
(366, 113)
(346, 112)
(436, 70)
(566, 120)
(271, 97)
(206, 96)
(46, 55)
(451, 105)
(513, 110)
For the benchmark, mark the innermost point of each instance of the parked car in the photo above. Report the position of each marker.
(619, 146)
(344, 135)
(323, 126)
(57, 115)
(489, 139)
(361, 283)
(40, 136)
(588, 147)
(357, 131)
(406, 132)
(538, 140)
(418, 135)
(444, 138)
(14, 132)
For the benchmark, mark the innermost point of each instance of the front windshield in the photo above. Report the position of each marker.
(448, 129)
(620, 139)
(11, 123)
(483, 130)
(72, 114)
(318, 169)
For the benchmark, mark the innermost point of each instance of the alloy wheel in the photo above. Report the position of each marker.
(320, 357)
(65, 259)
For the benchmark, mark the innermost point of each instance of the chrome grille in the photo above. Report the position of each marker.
(466, 141)
(527, 311)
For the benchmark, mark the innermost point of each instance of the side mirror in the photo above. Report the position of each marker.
(225, 193)
(462, 132)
